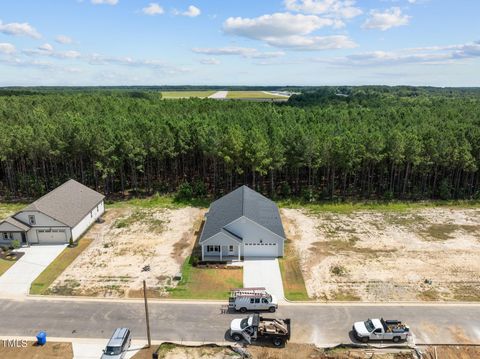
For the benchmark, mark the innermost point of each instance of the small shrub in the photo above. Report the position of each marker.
(195, 261)
(15, 244)
(184, 192)
(199, 189)
(338, 270)
(70, 242)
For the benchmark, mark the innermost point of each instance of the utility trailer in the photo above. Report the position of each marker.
(244, 299)
(380, 329)
(255, 327)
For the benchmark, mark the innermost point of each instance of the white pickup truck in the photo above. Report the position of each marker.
(380, 329)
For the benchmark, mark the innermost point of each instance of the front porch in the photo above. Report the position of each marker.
(221, 253)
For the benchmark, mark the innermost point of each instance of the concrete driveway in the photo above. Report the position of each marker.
(16, 281)
(93, 348)
(263, 272)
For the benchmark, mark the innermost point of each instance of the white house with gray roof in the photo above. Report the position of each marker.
(64, 213)
(242, 223)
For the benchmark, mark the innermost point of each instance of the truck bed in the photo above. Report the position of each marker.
(394, 326)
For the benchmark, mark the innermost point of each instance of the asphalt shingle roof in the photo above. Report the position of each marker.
(242, 202)
(69, 203)
(16, 223)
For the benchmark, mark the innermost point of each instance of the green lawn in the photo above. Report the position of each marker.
(253, 94)
(7, 209)
(155, 201)
(392, 206)
(48, 276)
(292, 277)
(186, 94)
(206, 283)
(4, 265)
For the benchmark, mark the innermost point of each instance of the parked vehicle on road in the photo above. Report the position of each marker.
(118, 344)
(257, 299)
(380, 329)
(255, 327)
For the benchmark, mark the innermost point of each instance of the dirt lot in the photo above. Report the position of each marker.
(291, 350)
(32, 351)
(422, 254)
(129, 240)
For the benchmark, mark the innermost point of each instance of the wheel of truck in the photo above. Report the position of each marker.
(396, 339)
(243, 310)
(364, 339)
(278, 342)
(271, 309)
(237, 337)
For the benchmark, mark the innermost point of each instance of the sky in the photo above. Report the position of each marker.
(248, 42)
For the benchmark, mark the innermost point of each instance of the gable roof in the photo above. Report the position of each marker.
(69, 203)
(17, 224)
(243, 201)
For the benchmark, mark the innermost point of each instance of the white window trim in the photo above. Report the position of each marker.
(32, 220)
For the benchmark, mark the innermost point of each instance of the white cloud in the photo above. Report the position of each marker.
(246, 52)
(19, 29)
(62, 39)
(153, 9)
(46, 47)
(423, 55)
(192, 11)
(210, 61)
(336, 8)
(387, 19)
(7, 48)
(289, 31)
(107, 2)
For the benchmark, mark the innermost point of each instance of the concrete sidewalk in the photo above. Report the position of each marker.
(264, 272)
(16, 281)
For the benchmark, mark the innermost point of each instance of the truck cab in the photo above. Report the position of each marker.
(380, 329)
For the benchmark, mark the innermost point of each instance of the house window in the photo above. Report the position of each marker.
(11, 236)
(230, 248)
(213, 248)
(31, 220)
(5, 236)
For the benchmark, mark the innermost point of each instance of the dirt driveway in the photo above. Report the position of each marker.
(425, 254)
(134, 244)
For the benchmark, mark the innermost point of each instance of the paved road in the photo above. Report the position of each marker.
(219, 95)
(320, 324)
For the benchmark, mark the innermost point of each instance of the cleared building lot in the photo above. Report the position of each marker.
(423, 254)
(132, 245)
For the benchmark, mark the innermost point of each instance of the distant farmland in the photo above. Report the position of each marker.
(186, 94)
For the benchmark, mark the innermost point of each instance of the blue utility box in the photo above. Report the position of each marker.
(41, 338)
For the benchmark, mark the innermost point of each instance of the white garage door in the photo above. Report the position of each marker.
(51, 236)
(261, 249)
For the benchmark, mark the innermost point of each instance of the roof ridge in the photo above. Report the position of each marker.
(243, 200)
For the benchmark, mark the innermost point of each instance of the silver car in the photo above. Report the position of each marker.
(118, 344)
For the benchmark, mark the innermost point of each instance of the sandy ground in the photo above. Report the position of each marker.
(427, 254)
(129, 240)
(262, 351)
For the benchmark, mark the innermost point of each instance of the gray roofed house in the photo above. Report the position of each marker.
(62, 214)
(67, 203)
(242, 223)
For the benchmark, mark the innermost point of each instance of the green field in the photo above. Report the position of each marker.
(253, 94)
(186, 94)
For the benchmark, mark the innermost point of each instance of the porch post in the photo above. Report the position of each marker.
(239, 251)
(202, 253)
(220, 253)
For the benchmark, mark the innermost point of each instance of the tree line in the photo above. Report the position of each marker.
(328, 143)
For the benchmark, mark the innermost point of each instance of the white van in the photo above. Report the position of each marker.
(256, 299)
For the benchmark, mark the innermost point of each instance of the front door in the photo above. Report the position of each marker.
(24, 238)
